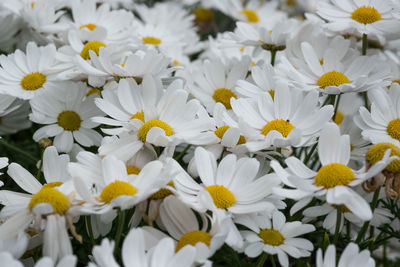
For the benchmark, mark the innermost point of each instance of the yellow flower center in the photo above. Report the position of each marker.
(393, 129)
(91, 46)
(176, 62)
(366, 15)
(290, 2)
(221, 131)
(221, 196)
(203, 15)
(89, 26)
(93, 91)
(223, 96)
(332, 78)
(375, 153)
(33, 81)
(271, 237)
(116, 189)
(396, 81)
(334, 174)
(162, 193)
(52, 185)
(251, 16)
(142, 133)
(339, 117)
(69, 120)
(49, 195)
(138, 115)
(272, 93)
(343, 208)
(151, 40)
(192, 238)
(130, 169)
(280, 125)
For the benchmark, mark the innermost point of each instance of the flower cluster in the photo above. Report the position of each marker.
(199, 133)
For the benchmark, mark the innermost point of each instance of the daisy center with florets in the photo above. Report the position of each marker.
(138, 115)
(131, 169)
(33, 81)
(251, 16)
(280, 125)
(366, 15)
(203, 15)
(221, 131)
(69, 120)
(222, 197)
(376, 152)
(334, 174)
(223, 96)
(151, 40)
(116, 189)
(142, 133)
(89, 26)
(192, 238)
(91, 46)
(332, 78)
(339, 117)
(271, 237)
(393, 129)
(162, 193)
(49, 195)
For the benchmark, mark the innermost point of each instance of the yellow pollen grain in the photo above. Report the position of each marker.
(393, 129)
(366, 15)
(271, 237)
(203, 15)
(223, 96)
(192, 238)
(91, 46)
(69, 120)
(376, 152)
(162, 193)
(142, 133)
(272, 93)
(222, 197)
(49, 195)
(175, 62)
(33, 81)
(332, 78)
(138, 115)
(241, 49)
(131, 169)
(280, 125)
(151, 40)
(251, 16)
(89, 26)
(334, 174)
(221, 131)
(116, 189)
(339, 117)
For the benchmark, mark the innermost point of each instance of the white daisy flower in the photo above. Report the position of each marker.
(275, 236)
(382, 123)
(68, 117)
(231, 186)
(215, 82)
(184, 227)
(350, 257)
(99, 23)
(290, 119)
(46, 208)
(336, 72)
(68, 261)
(334, 179)
(373, 17)
(10, 24)
(138, 251)
(13, 115)
(28, 75)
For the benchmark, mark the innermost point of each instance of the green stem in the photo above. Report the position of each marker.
(262, 260)
(338, 220)
(17, 149)
(273, 261)
(366, 224)
(365, 95)
(273, 55)
(180, 155)
(121, 222)
(364, 44)
(89, 226)
(307, 158)
(336, 106)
